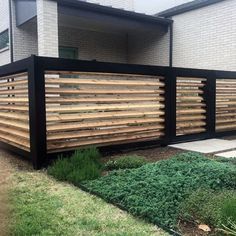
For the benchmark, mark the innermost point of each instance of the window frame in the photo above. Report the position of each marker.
(4, 48)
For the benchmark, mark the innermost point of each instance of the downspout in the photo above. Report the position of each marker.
(10, 32)
(171, 46)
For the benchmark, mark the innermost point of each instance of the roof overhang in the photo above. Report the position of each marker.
(193, 5)
(114, 13)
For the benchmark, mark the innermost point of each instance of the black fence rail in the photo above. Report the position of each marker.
(49, 105)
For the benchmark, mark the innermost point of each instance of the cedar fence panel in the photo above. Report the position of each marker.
(49, 106)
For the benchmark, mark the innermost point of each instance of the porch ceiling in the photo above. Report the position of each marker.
(77, 14)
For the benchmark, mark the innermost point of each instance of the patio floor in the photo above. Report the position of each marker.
(223, 148)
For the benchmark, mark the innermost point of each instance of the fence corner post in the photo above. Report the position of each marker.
(211, 104)
(37, 112)
(170, 106)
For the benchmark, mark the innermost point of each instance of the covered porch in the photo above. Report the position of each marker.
(81, 30)
(92, 32)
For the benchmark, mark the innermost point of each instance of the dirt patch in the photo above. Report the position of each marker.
(8, 165)
(150, 154)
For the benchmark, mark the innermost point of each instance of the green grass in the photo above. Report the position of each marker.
(42, 206)
(156, 191)
(125, 162)
(215, 208)
(84, 164)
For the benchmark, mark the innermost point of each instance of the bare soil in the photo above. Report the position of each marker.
(150, 154)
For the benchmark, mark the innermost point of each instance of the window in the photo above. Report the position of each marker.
(68, 52)
(4, 39)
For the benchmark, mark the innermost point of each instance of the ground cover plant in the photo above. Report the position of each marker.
(84, 164)
(157, 191)
(125, 162)
(43, 206)
(214, 208)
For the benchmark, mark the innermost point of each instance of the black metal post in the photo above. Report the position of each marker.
(210, 96)
(170, 106)
(37, 113)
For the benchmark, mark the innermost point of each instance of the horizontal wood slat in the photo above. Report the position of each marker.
(102, 109)
(190, 106)
(14, 111)
(225, 104)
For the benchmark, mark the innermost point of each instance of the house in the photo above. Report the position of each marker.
(82, 30)
(196, 34)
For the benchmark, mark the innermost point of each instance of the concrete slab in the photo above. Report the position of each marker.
(231, 154)
(207, 146)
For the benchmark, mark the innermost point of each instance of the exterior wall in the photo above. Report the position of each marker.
(95, 45)
(47, 22)
(149, 48)
(24, 37)
(206, 38)
(4, 24)
(124, 4)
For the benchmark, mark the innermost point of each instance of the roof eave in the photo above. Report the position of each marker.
(186, 7)
(115, 12)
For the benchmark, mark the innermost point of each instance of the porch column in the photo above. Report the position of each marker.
(47, 22)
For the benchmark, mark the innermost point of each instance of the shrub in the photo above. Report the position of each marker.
(125, 162)
(156, 191)
(230, 229)
(214, 208)
(226, 160)
(84, 164)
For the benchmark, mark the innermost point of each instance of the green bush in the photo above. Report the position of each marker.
(214, 208)
(125, 162)
(84, 164)
(156, 191)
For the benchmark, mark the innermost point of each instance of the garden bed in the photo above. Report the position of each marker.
(157, 191)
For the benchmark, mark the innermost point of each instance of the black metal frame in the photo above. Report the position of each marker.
(36, 67)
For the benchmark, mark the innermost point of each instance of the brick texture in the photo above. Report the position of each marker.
(206, 38)
(95, 45)
(47, 22)
(24, 37)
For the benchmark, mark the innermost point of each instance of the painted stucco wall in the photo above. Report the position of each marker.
(4, 24)
(206, 38)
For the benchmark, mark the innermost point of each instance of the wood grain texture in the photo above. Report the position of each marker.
(102, 109)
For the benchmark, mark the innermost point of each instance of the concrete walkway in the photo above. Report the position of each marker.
(210, 146)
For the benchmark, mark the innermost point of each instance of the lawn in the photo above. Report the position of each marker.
(43, 206)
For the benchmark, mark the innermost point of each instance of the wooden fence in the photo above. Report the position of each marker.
(49, 106)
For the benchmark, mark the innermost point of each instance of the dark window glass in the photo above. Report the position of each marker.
(4, 39)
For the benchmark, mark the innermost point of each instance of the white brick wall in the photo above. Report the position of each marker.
(149, 48)
(139, 48)
(95, 45)
(24, 37)
(206, 38)
(4, 24)
(47, 22)
(124, 4)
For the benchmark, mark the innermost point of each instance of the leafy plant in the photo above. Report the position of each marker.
(214, 208)
(156, 191)
(126, 162)
(231, 229)
(84, 164)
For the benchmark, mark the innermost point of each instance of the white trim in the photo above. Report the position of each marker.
(4, 49)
